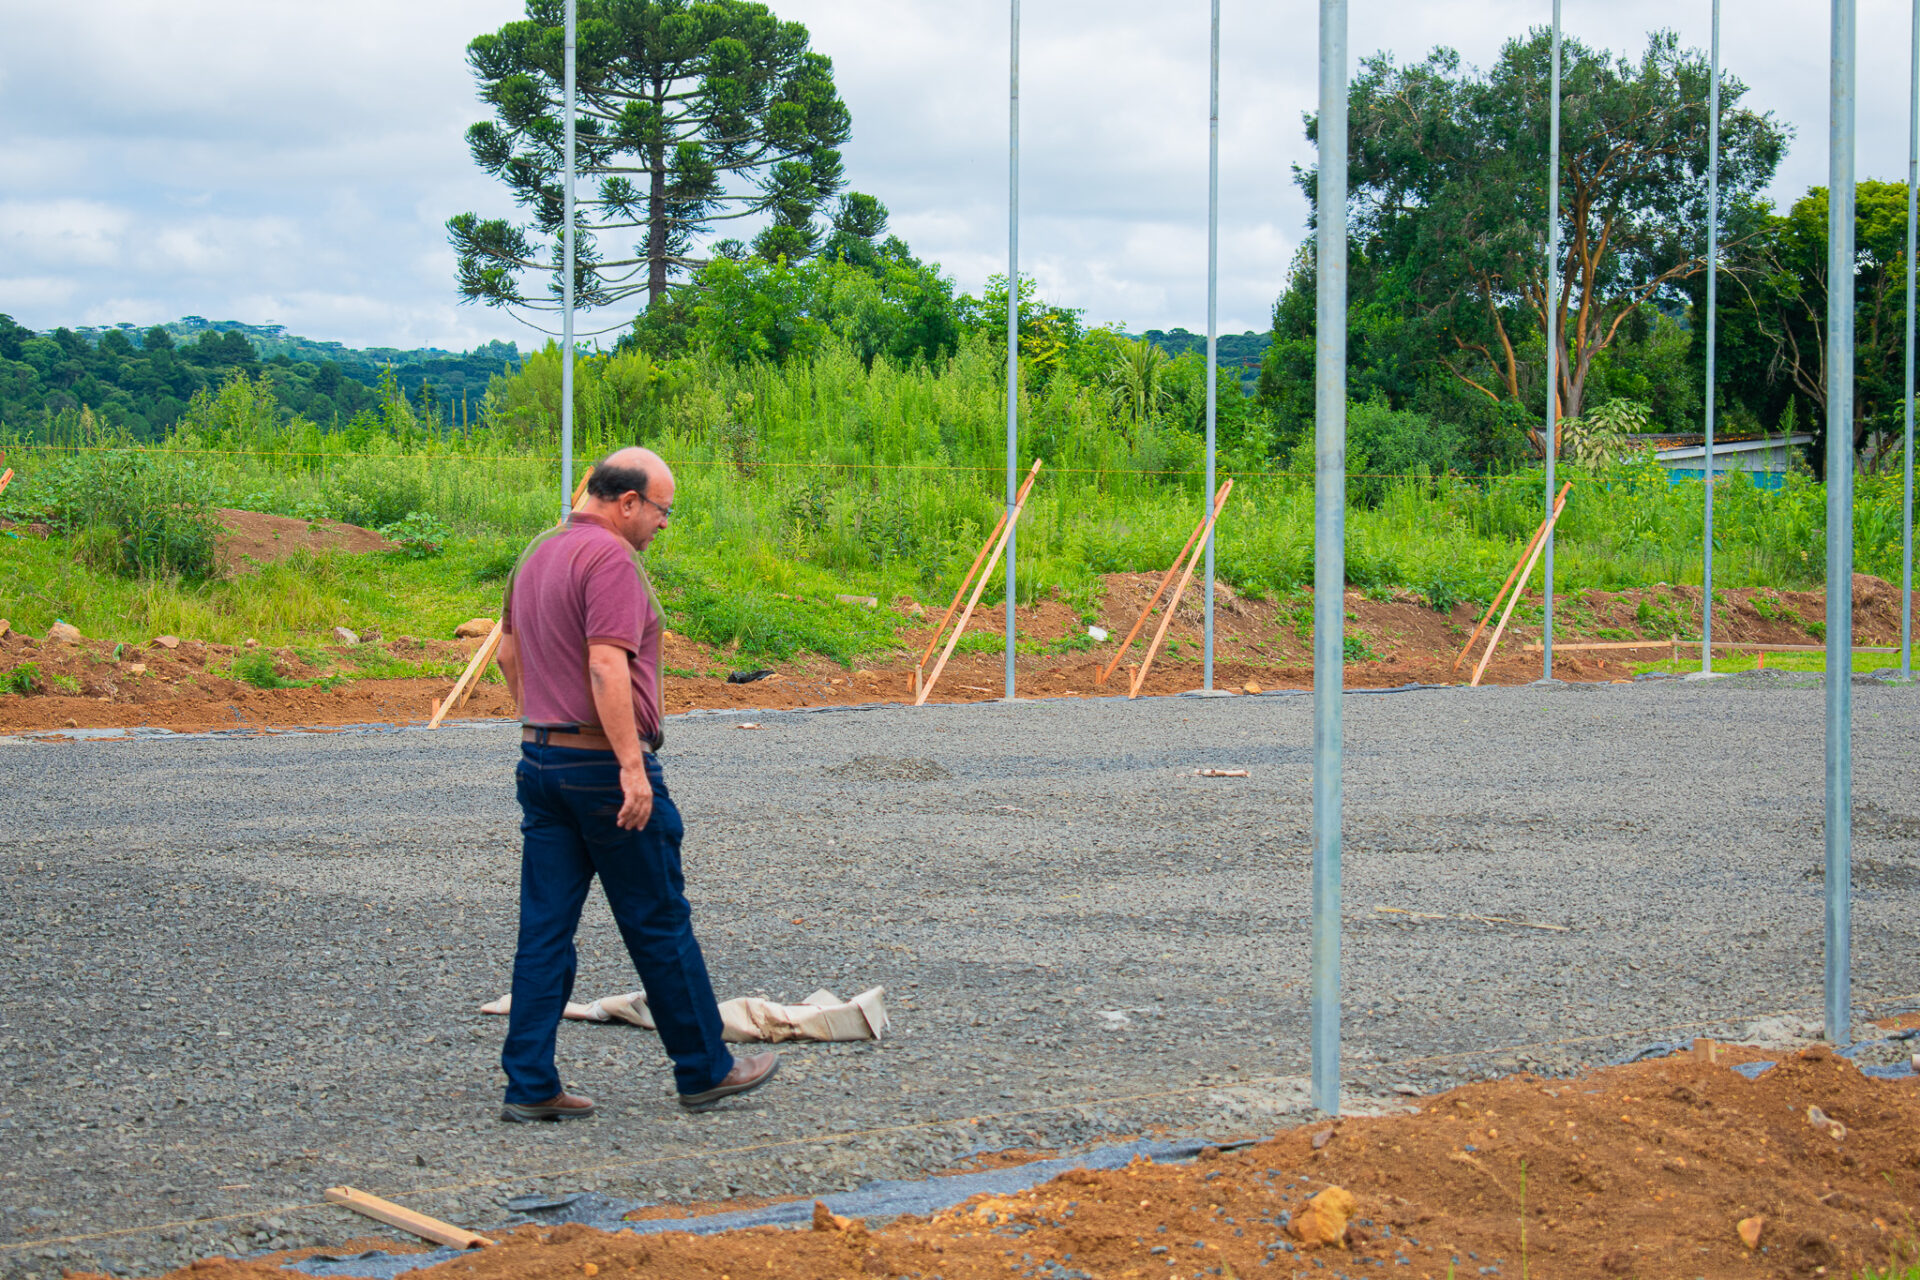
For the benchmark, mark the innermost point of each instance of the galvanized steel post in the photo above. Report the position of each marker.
(566, 287)
(1329, 550)
(1713, 316)
(1906, 492)
(1013, 314)
(1551, 295)
(1840, 274)
(1213, 312)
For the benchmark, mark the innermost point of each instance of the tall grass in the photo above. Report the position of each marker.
(829, 476)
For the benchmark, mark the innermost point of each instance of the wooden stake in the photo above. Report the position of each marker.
(1519, 589)
(6, 480)
(979, 587)
(471, 675)
(406, 1219)
(1019, 499)
(1166, 578)
(1501, 593)
(1173, 605)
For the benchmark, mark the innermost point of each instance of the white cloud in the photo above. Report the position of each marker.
(230, 160)
(58, 233)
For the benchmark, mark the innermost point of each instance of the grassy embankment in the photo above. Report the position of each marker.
(803, 482)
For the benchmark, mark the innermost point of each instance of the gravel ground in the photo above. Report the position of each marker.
(236, 971)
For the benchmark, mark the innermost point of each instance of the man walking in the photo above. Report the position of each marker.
(580, 648)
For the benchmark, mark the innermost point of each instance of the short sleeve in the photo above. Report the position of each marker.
(612, 600)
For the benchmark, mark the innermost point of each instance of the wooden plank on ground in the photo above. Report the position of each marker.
(1740, 646)
(1158, 591)
(1173, 604)
(1499, 595)
(406, 1219)
(1006, 531)
(1019, 500)
(1519, 589)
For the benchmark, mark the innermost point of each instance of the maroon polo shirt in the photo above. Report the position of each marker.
(576, 586)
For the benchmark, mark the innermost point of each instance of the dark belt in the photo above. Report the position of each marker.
(580, 737)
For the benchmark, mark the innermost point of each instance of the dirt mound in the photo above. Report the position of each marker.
(249, 539)
(1392, 640)
(1648, 1170)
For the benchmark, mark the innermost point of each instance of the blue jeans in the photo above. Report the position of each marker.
(569, 800)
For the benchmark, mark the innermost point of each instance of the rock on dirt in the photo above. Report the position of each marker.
(65, 632)
(343, 636)
(473, 629)
(165, 642)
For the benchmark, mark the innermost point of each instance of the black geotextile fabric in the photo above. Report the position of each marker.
(884, 1199)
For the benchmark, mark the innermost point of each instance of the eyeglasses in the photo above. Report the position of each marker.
(666, 512)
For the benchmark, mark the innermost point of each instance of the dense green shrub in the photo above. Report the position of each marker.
(140, 513)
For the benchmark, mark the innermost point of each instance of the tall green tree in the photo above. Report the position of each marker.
(690, 112)
(1448, 179)
(1786, 308)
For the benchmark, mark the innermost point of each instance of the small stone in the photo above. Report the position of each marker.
(473, 628)
(1749, 1229)
(1826, 1124)
(865, 602)
(1324, 1220)
(1097, 634)
(136, 668)
(252, 643)
(64, 632)
(343, 636)
(165, 642)
(1251, 686)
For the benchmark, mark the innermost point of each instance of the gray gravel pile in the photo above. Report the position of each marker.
(234, 972)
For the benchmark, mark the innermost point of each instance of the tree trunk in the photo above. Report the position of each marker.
(657, 226)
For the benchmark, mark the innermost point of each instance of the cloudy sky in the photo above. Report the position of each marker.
(295, 163)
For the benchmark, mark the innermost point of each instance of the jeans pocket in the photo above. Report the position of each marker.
(593, 800)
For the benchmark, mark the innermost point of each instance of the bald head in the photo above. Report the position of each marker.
(632, 491)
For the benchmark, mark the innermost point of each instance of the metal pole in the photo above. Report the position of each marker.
(1913, 243)
(1840, 271)
(566, 287)
(1713, 317)
(1013, 313)
(1329, 549)
(1553, 332)
(1213, 311)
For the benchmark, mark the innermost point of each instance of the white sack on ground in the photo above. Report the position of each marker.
(750, 1019)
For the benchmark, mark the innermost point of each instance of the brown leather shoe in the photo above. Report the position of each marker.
(747, 1075)
(561, 1106)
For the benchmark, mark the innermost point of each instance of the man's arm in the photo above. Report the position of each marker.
(508, 656)
(613, 701)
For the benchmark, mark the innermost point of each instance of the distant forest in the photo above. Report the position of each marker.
(1240, 353)
(141, 380)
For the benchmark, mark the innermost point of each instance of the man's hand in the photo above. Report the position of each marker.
(637, 805)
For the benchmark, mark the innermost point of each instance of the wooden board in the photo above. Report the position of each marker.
(406, 1219)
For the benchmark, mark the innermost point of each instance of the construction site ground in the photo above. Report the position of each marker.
(236, 970)
(1394, 640)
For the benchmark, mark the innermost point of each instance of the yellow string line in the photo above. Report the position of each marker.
(834, 1138)
(440, 458)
